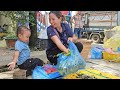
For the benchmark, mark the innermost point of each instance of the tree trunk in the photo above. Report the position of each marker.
(33, 27)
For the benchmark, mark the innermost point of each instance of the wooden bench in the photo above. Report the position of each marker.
(86, 48)
(19, 74)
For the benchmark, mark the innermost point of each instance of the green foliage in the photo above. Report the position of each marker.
(11, 35)
(22, 17)
(15, 16)
(18, 16)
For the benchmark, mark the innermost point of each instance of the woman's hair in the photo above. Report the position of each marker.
(57, 13)
(20, 29)
(63, 18)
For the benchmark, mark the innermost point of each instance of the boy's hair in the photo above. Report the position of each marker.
(20, 29)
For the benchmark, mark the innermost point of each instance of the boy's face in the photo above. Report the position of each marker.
(25, 36)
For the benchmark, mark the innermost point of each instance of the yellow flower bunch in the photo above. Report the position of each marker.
(71, 76)
(100, 75)
(90, 73)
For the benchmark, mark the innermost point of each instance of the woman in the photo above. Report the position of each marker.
(58, 36)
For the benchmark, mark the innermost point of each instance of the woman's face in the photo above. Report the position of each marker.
(54, 20)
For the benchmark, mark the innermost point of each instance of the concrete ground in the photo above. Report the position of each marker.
(99, 64)
(6, 55)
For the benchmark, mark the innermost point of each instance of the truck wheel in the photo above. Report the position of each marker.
(85, 35)
(95, 38)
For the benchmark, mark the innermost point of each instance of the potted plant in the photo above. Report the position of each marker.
(3, 31)
(10, 40)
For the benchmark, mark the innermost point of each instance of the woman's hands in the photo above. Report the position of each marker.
(67, 53)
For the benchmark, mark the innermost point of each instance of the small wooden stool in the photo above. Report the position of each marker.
(19, 74)
(86, 48)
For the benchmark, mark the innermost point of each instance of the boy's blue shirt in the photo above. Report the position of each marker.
(24, 50)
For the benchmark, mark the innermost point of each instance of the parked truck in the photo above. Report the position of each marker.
(95, 22)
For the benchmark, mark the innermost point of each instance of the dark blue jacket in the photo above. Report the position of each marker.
(66, 32)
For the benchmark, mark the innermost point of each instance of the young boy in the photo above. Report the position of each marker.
(22, 52)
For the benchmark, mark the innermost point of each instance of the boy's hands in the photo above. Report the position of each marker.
(11, 65)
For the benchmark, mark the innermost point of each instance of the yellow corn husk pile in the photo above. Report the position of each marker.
(116, 28)
(113, 42)
(91, 74)
(111, 39)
